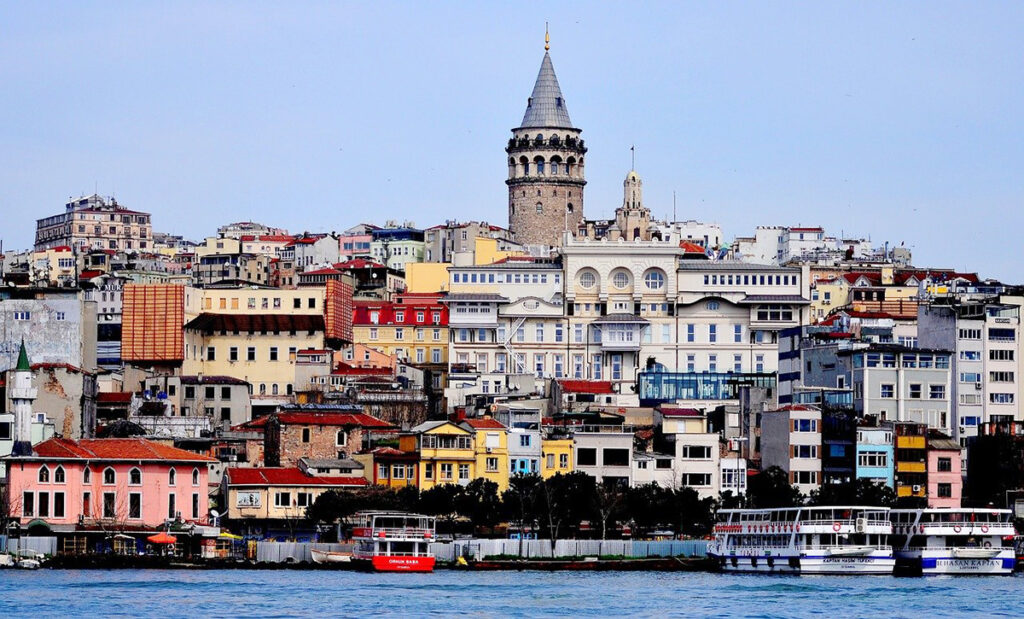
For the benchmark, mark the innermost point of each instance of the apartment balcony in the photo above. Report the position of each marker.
(910, 442)
(914, 491)
(911, 467)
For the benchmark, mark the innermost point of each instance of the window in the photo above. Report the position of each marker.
(44, 475)
(563, 461)
(524, 440)
(774, 312)
(540, 331)
(970, 355)
(805, 451)
(620, 280)
(586, 456)
(233, 353)
(1000, 398)
(87, 475)
(587, 280)
(1000, 355)
(1001, 377)
(691, 364)
(690, 330)
(58, 504)
(446, 471)
(172, 477)
(873, 459)
(970, 334)
(1001, 335)
(558, 332)
(109, 500)
(805, 477)
(28, 504)
(654, 279)
(937, 392)
(696, 480)
(195, 505)
(712, 333)
(382, 471)
(759, 363)
(696, 452)
(273, 353)
(134, 506)
(945, 491)
(463, 472)
(210, 393)
(945, 465)
(6, 430)
(737, 363)
(109, 477)
(211, 353)
(888, 391)
(615, 457)
(305, 435)
(915, 391)
(805, 425)
(492, 465)
(58, 475)
(135, 477)
(282, 499)
(712, 363)
(195, 477)
(737, 333)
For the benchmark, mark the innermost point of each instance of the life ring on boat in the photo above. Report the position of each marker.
(957, 528)
(836, 526)
(988, 544)
(984, 529)
(797, 528)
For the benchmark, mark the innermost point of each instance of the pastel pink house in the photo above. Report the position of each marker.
(130, 482)
(945, 482)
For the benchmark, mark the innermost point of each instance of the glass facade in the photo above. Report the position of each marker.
(658, 387)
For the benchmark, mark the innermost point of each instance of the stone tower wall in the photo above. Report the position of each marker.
(556, 184)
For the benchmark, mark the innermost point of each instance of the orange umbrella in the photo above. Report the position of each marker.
(162, 538)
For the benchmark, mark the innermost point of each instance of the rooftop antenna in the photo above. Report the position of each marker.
(674, 206)
(547, 38)
(632, 157)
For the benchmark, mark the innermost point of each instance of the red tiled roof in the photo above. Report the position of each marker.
(115, 449)
(586, 386)
(358, 263)
(671, 411)
(321, 419)
(90, 273)
(287, 477)
(485, 424)
(796, 407)
(324, 271)
(58, 366)
(874, 279)
(117, 397)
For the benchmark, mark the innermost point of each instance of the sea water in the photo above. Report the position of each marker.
(298, 593)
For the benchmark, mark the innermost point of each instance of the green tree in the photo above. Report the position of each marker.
(647, 507)
(858, 492)
(607, 503)
(694, 516)
(771, 488)
(564, 502)
(728, 500)
(442, 501)
(519, 502)
(479, 502)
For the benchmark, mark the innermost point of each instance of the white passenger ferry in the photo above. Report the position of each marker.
(804, 540)
(953, 540)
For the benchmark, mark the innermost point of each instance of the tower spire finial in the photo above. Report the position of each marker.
(547, 37)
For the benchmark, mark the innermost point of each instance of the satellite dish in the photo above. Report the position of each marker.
(215, 513)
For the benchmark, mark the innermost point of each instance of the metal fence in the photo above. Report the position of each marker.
(293, 552)
(27, 545)
(483, 548)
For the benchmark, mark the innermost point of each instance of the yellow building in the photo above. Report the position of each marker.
(490, 442)
(446, 450)
(426, 277)
(413, 328)
(556, 456)
(260, 350)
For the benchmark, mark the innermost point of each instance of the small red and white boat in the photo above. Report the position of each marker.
(393, 541)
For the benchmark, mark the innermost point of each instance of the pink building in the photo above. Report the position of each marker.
(945, 483)
(128, 484)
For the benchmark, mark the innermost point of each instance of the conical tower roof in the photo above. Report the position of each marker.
(23, 364)
(546, 106)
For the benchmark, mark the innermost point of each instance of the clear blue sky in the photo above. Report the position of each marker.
(898, 123)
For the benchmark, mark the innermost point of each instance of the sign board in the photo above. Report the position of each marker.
(248, 499)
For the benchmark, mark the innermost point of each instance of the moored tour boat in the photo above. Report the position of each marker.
(804, 540)
(953, 541)
(393, 541)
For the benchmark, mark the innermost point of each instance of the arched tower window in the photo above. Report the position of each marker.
(540, 207)
(58, 475)
(135, 477)
(568, 207)
(44, 474)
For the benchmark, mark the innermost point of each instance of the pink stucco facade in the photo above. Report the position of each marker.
(91, 488)
(944, 477)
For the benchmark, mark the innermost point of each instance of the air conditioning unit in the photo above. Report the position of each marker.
(917, 488)
(490, 449)
(977, 386)
(861, 525)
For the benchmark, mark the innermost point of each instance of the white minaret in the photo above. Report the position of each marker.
(22, 395)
